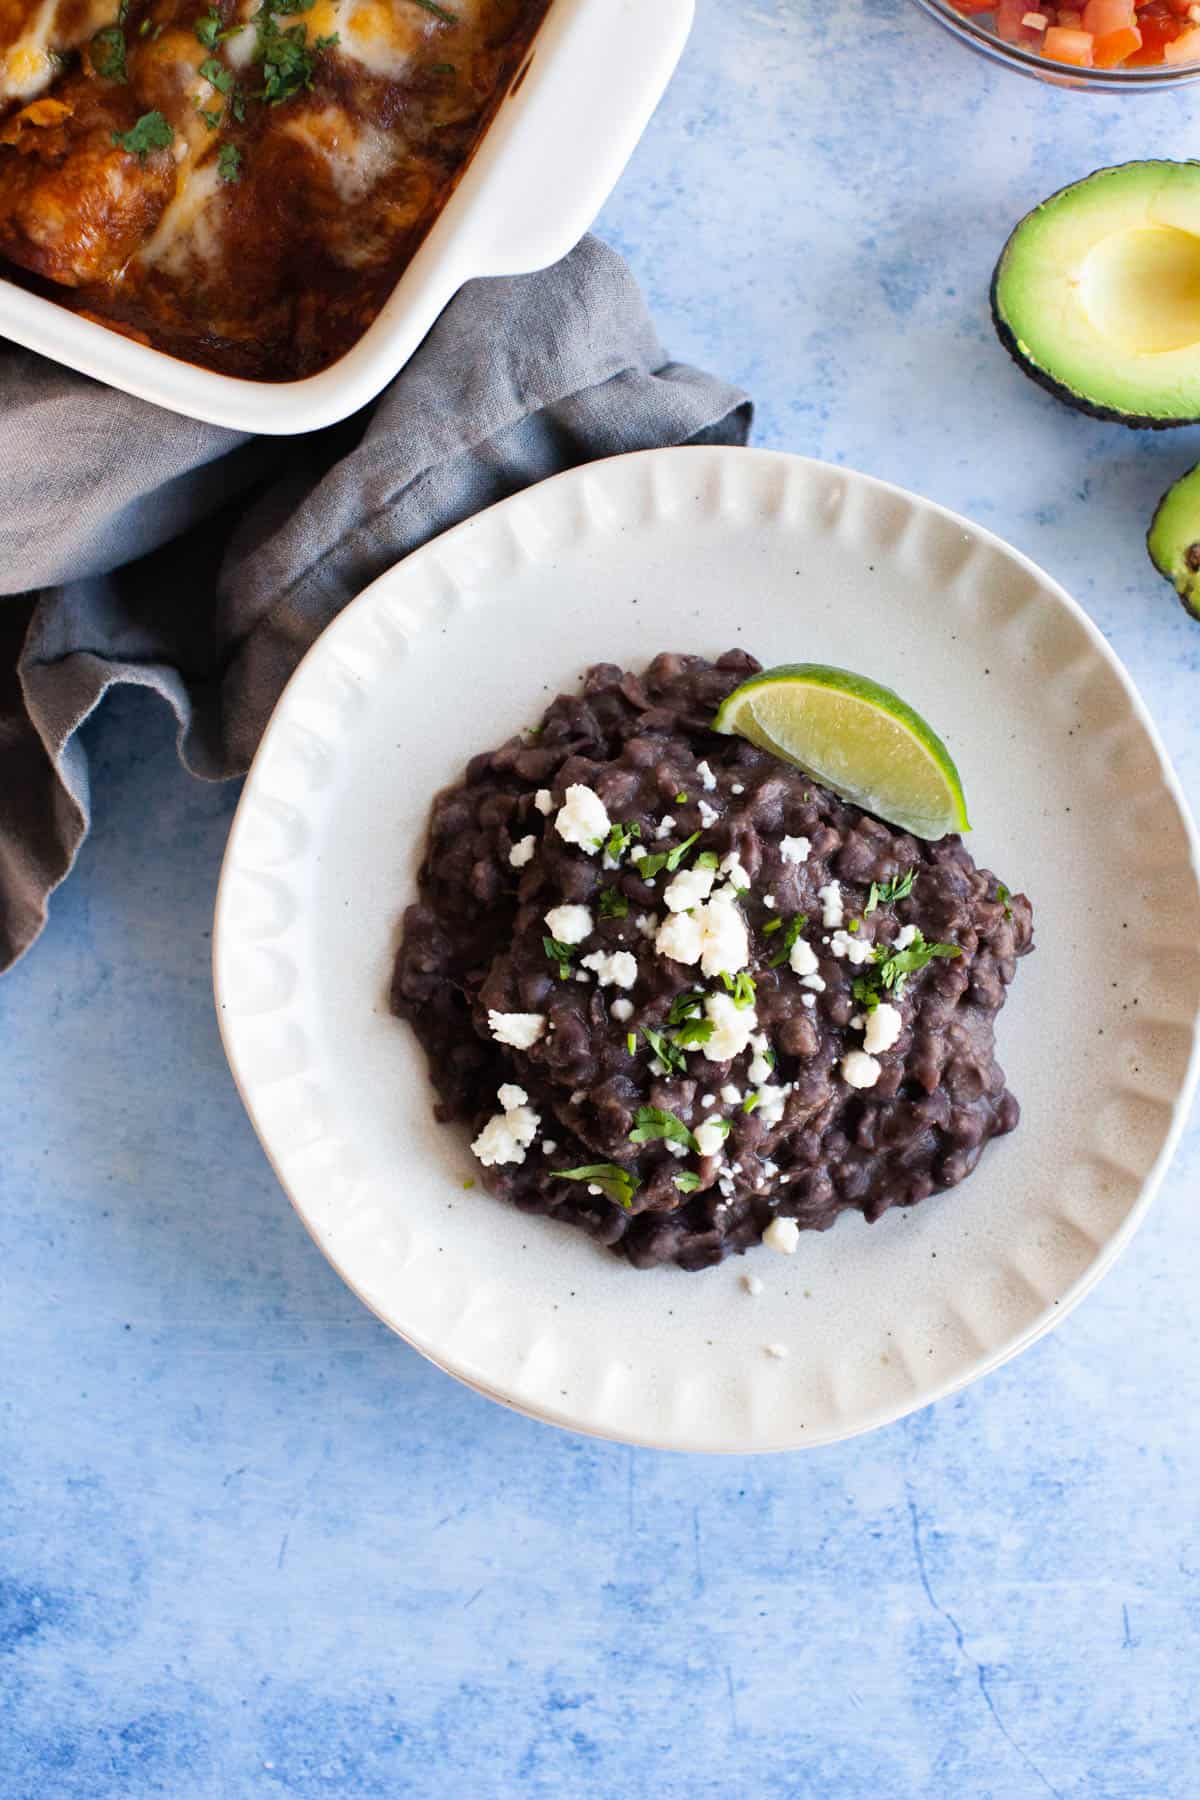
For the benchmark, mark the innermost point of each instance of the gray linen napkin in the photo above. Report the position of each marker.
(143, 547)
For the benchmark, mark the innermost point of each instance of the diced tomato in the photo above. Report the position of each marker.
(1110, 51)
(1101, 17)
(1010, 15)
(1069, 46)
(1180, 8)
(1158, 28)
(968, 7)
(1184, 48)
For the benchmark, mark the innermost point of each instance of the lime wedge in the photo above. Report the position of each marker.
(854, 736)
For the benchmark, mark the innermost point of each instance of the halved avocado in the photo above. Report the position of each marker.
(1173, 539)
(1097, 294)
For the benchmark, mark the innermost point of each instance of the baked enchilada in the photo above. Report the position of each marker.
(240, 182)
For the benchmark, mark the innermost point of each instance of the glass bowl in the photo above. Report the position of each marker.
(984, 42)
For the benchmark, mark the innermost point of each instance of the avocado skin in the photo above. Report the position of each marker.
(1189, 595)
(1110, 415)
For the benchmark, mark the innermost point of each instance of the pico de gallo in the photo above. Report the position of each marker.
(1103, 34)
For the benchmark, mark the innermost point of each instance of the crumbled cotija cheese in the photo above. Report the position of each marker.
(905, 936)
(883, 1027)
(622, 1010)
(544, 801)
(508, 1134)
(707, 778)
(618, 970)
(582, 819)
(733, 1027)
(522, 852)
(782, 1235)
(860, 1070)
(664, 826)
(794, 849)
(518, 1029)
(708, 814)
(689, 888)
(710, 1137)
(855, 949)
(834, 912)
(570, 924)
(802, 958)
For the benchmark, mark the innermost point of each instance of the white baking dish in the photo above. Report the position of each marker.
(550, 158)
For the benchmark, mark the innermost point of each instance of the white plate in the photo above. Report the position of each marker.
(1073, 801)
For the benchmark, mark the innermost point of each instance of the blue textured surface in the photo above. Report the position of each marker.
(252, 1545)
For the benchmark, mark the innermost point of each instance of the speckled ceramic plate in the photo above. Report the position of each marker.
(1072, 800)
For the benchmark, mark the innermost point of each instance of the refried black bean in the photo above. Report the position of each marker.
(473, 943)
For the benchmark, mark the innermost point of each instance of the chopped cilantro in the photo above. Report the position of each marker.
(681, 799)
(667, 1053)
(631, 1042)
(899, 888)
(446, 69)
(694, 1033)
(750, 1102)
(708, 859)
(772, 925)
(613, 904)
(741, 986)
(687, 1182)
(650, 1123)
(211, 119)
(854, 926)
(1004, 896)
(151, 132)
(215, 72)
(468, 1183)
(892, 968)
(208, 29)
(288, 63)
(559, 953)
(107, 53)
(791, 933)
(686, 1006)
(229, 163)
(619, 839)
(439, 12)
(618, 1184)
(666, 859)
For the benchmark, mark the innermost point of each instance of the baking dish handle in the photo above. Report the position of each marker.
(570, 123)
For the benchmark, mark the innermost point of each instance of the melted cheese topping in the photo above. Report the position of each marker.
(187, 228)
(28, 65)
(356, 153)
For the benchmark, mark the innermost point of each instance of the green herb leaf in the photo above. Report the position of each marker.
(854, 927)
(893, 967)
(899, 888)
(439, 12)
(694, 1033)
(667, 1053)
(449, 69)
(613, 904)
(220, 77)
(229, 163)
(749, 1103)
(687, 1182)
(559, 953)
(619, 839)
(791, 933)
(687, 1005)
(772, 925)
(208, 29)
(107, 53)
(631, 1042)
(1004, 896)
(288, 62)
(707, 859)
(211, 119)
(151, 132)
(651, 1123)
(681, 799)
(617, 1184)
(741, 986)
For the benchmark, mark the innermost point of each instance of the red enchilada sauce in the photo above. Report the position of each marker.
(238, 184)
